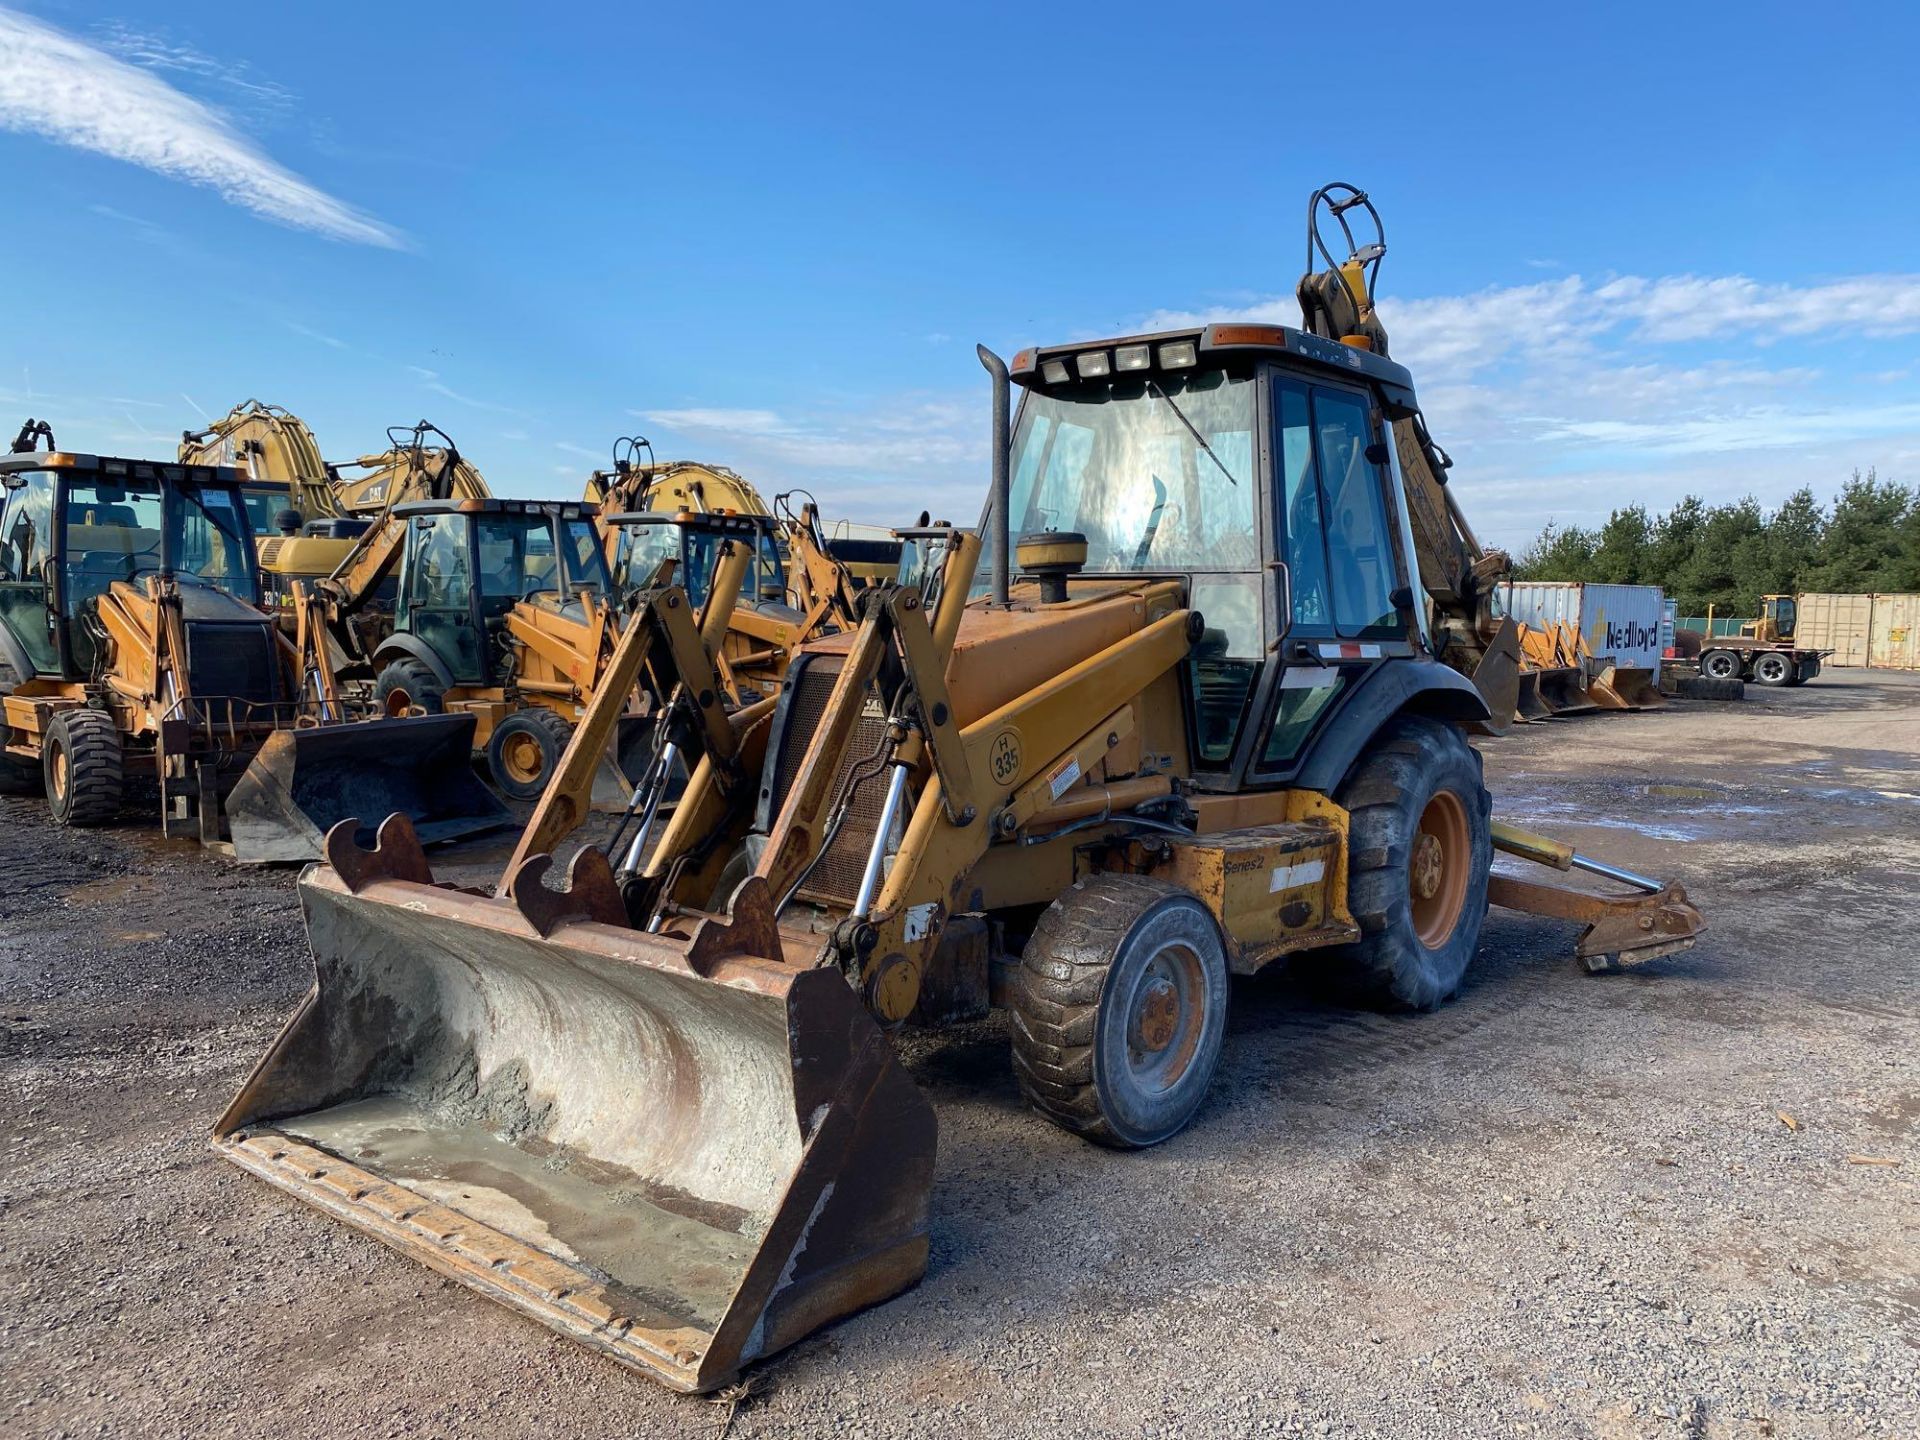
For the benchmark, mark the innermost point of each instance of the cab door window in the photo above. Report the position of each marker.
(26, 545)
(1359, 539)
(438, 595)
(1340, 552)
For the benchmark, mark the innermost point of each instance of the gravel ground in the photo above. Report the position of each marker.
(1563, 1205)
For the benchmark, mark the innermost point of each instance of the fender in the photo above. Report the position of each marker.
(1402, 687)
(394, 646)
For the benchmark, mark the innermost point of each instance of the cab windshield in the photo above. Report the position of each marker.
(114, 532)
(264, 508)
(1156, 472)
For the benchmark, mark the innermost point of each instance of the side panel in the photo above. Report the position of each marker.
(1840, 623)
(1893, 642)
(1623, 621)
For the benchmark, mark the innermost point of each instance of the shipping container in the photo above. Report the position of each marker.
(1893, 643)
(1623, 621)
(1840, 623)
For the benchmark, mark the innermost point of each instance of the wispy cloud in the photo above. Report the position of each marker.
(155, 50)
(56, 86)
(330, 341)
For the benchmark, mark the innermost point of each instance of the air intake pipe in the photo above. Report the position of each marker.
(999, 501)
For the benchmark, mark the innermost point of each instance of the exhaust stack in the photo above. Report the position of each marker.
(1001, 501)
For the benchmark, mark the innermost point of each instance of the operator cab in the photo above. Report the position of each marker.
(74, 524)
(642, 540)
(1256, 464)
(467, 563)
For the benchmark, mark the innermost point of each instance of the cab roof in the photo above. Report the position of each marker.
(171, 472)
(718, 521)
(1170, 352)
(494, 505)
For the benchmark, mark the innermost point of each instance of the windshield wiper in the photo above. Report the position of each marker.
(1199, 439)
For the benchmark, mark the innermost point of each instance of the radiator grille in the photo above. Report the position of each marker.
(836, 877)
(234, 662)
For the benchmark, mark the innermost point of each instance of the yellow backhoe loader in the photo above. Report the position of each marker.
(655, 1106)
(864, 554)
(132, 643)
(503, 610)
(307, 515)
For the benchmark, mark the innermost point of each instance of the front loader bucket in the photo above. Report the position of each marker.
(1527, 702)
(304, 782)
(1497, 678)
(1563, 690)
(1625, 687)
(677, 1149)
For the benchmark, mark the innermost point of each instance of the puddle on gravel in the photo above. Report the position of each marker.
(110, 891)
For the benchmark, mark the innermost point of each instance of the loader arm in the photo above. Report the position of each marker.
(661, 642)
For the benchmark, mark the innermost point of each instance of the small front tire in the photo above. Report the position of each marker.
(525, 751)
(1120, 1010)
(82, 766)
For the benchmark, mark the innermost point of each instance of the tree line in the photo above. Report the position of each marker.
(1728, 556)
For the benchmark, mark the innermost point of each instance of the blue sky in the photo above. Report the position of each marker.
(1634, 253)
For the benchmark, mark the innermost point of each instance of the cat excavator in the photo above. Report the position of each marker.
(307, 513)
(1196, 723)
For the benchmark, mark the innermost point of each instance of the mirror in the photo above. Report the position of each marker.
(15, 481)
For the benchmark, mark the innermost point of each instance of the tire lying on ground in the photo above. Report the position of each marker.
(1705, 687)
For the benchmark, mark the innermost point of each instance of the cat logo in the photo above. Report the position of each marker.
(1003, 757)
(873, 709)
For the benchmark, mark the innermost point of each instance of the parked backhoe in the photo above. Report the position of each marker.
(132, 644)
(504, 610)
(1205, 729)
(863, 554)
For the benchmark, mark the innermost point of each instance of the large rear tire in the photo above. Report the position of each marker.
(82, 764)
(1419, 851)
(407, 684)
(1120, 1010)
(17, 776)
(525, 751)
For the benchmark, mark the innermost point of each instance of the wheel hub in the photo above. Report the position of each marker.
(1429, 865)
(523, 758)
(399, 704)
(1439, 863)
(1157, 1016)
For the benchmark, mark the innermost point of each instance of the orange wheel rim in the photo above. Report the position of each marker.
(522, 758)
(60, 772)
(399, 703)
(1437, 869)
